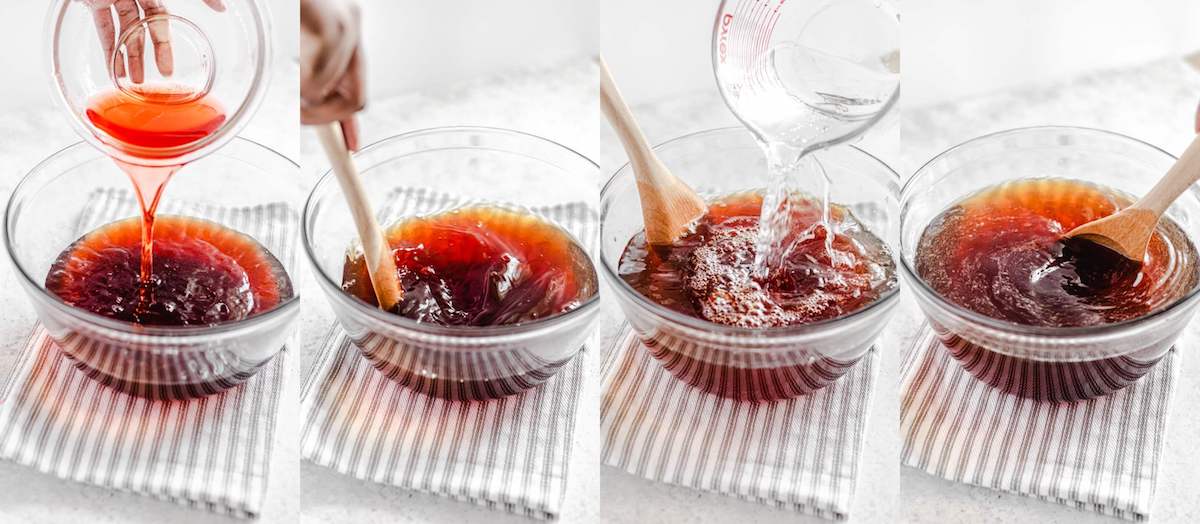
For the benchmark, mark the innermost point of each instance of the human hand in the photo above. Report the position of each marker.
(331, 75)
(128, 14)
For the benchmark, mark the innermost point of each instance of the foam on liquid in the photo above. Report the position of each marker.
(711, 274)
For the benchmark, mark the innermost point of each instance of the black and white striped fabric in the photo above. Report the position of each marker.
(801, 453)
(508, 453)
(1100, 454)
(211, 452)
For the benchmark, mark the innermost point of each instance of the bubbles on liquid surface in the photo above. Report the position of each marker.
(710, 273)
(204, 274)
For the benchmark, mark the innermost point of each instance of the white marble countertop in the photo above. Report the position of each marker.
(28, 135)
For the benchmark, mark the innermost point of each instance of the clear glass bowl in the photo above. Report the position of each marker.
(1045, 363)
(435, 170)
(751, 364)
(226, 53)
(44, 216)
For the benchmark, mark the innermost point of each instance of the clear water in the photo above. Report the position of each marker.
(797, 100)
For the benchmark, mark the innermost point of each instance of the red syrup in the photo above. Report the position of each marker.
(164, 270)
(204, 274)
(1000, 253)
(148, 122)
(709, 275)
(476, 266)
(481, 266)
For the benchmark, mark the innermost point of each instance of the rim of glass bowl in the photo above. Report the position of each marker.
(130, 328)
(1099, 331)
(801, 330)
(523, 330)
(175, 155)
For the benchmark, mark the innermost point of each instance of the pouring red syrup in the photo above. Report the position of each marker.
(170, 271)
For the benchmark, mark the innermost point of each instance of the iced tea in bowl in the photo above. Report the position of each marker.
(1018, 306)
(723, 340)
(489, 230)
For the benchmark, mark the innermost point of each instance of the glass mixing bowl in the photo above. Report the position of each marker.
(226, 54)
(45, 214)
(1045, 363)
(743, 363)
(434, 170)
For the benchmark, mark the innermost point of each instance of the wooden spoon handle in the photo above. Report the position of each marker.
(618, 114)
(1182, 175)
(378, 255)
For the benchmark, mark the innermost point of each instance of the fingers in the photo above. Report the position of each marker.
(350, 133)
(108, 36)
(160, 36)
(334, 31)
(333, 109)
(346, 98)
(216, 5)
(127, 14)
(351, 85)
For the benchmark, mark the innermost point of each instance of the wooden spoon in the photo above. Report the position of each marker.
(1128, 231)
(669, 206)
(378, 255)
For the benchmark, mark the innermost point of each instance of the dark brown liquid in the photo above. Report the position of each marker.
(204, 274)
(481, 266)
(999, 253)
(708, 274)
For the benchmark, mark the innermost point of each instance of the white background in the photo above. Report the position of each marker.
(951, 48)
(420, 45)
(957, 48)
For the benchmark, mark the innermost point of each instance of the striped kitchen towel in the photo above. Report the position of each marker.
(1100, 454)
(508, 453)
(800, 454)
(209, 452)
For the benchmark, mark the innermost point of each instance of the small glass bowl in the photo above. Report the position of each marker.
(43, 217)
(743, 363)
(1045, 363)
(436, 170)
(224, 54)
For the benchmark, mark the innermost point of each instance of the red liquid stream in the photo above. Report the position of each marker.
(481, 266)
(153, 118)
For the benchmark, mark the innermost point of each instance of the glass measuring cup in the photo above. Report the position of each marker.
(223, 56)
(808, 74)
